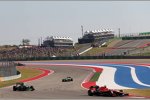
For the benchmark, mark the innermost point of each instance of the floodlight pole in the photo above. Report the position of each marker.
(41, 41)
(119, 32)
(82, 29)
(39, 44)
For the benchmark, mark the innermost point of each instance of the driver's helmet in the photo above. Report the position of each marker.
(97, 87)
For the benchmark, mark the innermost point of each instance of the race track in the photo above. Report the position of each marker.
(51, 87)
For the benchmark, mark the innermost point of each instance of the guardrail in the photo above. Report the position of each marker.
(79, 58)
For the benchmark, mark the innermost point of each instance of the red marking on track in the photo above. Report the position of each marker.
(44, 73)
(97, 69)
(145, 65)
(87, 84)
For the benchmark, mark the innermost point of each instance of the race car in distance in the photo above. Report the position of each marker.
(20, 86)
(104, 91)
(19, 64)
(68, 79)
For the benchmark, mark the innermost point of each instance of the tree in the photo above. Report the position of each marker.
(25, 41)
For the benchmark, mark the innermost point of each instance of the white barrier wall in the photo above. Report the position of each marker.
(10, 77)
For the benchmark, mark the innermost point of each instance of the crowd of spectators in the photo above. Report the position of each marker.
(35, 51)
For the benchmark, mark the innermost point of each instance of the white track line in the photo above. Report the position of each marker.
(107, 78)
(134, 76)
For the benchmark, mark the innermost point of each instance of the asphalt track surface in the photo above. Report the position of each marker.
(52, 87)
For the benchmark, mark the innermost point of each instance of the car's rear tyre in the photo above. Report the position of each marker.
(90, 93)
(14, 88)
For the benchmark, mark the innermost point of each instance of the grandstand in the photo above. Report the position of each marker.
(55, 41)
(127, 47)
(63, 47)
(141, 35)
(96, 36)
(144, 33)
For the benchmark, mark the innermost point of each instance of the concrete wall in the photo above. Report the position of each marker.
(10, 77)
(7, 68)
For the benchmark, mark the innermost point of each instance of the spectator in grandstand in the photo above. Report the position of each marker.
(18, 53)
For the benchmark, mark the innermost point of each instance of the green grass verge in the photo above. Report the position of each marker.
(25, 72)
(95, 77)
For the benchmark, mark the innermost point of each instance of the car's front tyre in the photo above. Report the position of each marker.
(32, 88)
(90, 93)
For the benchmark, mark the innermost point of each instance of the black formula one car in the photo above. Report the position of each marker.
(95, 90)
(68, 79)
(20, 86)
(19, 64)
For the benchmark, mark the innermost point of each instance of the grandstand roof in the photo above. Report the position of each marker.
(58, 37)
(99, 31)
